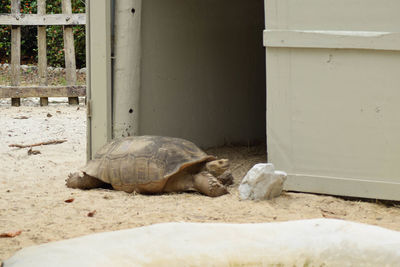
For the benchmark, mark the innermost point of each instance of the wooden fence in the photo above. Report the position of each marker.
(41, 20)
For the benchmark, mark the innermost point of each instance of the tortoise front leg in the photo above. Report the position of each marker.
(83, 182)
(207, 184)
(226, 178)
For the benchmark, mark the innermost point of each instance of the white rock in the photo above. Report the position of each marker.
(317, 242)
(262, 182)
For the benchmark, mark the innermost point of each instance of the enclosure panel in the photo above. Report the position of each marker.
(99, 79)
(336, 15)
(333, 121)
(203, 70)
(342, 117)
(334, 114)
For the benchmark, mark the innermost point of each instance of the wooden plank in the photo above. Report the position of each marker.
(333, 39)
(40, 91)
(15, 55)
(44, 20)
(69, 51)
(42, 51)
(15, 52)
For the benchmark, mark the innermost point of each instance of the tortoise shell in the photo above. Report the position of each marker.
(143, 159)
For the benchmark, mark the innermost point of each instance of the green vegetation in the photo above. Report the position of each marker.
(55, 43)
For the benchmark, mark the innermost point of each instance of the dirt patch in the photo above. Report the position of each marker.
(34, 199)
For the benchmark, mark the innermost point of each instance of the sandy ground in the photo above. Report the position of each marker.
(33, 193)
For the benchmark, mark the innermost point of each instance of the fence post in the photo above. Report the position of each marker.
(69, 52)
(42, 51)
(15, 51)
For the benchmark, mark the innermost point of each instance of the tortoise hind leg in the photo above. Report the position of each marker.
(207, 184)
(83, 182)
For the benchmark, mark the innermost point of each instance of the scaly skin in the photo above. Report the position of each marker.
(217, 167)
(83, 182)
(207, 184)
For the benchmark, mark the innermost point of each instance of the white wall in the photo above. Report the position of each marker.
(203, 70)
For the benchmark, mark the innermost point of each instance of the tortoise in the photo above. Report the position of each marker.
(154, 164)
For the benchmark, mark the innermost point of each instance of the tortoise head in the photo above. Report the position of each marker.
(217, 167)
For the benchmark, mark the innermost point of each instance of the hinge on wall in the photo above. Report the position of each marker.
(89, 109)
